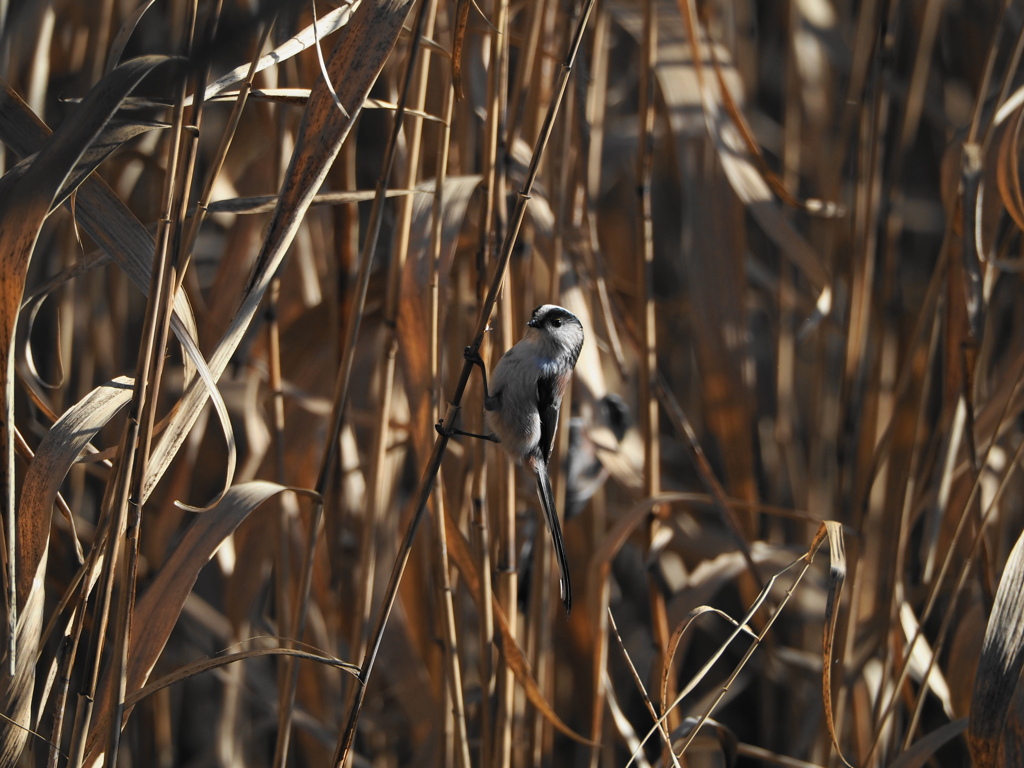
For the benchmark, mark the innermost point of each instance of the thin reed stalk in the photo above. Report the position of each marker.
(430, 473)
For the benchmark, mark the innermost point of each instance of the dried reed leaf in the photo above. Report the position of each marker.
(16, 694)
(356, 61)
(299, 96)
(205, 665)
(459, 47)
(922, 661)
(113, 136)
(922, 752)
(676, 639)
(24, 206)
(120, 40)
(677, 635)
(325, 25)
(157, 611)
(836, 577)
(100, 212)
(825, 209)
(55, 455)
(267, 203)
(993, 732)
(972, 252)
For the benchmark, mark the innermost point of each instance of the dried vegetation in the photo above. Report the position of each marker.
(238, 271)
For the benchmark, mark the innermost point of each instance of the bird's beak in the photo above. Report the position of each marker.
(532, 322)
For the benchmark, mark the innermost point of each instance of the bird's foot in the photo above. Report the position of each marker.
(473, 356)
(451, 432)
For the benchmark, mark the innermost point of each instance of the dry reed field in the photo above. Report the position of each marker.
(249, 250)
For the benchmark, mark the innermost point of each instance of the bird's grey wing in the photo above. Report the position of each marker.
(549, 399)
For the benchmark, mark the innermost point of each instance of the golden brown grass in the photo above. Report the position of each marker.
(237, 275)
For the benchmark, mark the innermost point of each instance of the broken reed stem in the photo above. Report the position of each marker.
(441, 443)
(659, 721)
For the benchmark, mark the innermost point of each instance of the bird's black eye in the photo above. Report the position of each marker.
(557, 323)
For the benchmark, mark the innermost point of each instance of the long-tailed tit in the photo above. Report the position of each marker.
(523, 402)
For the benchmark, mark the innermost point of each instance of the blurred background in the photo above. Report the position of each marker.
(796, 257)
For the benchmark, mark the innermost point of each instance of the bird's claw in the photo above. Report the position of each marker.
(449, 433)
(473, 356)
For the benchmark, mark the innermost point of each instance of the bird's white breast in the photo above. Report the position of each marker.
(516, 421)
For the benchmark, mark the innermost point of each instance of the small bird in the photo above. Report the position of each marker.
(522, 408)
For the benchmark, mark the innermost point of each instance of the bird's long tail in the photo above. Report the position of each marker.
(547, 501)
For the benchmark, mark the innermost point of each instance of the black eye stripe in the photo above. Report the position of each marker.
(553, 317)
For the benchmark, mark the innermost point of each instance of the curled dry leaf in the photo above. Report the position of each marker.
(157, 611)
(205, 665)
(106, 219)
(676, 640)
(63, 443)
(355, 64)
(836, 577)
(113, 136)
(100, 213)
(1008, 168)
(24, 205)
(325, 25)
(714, 737)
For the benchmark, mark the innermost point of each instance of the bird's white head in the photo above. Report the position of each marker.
(559, 330)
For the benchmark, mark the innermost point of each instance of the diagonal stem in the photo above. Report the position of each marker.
(441, 443)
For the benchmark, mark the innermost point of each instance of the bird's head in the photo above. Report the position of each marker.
(558, 329)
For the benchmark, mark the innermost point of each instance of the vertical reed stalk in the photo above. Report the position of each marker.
(434, 463)
(647, 321)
